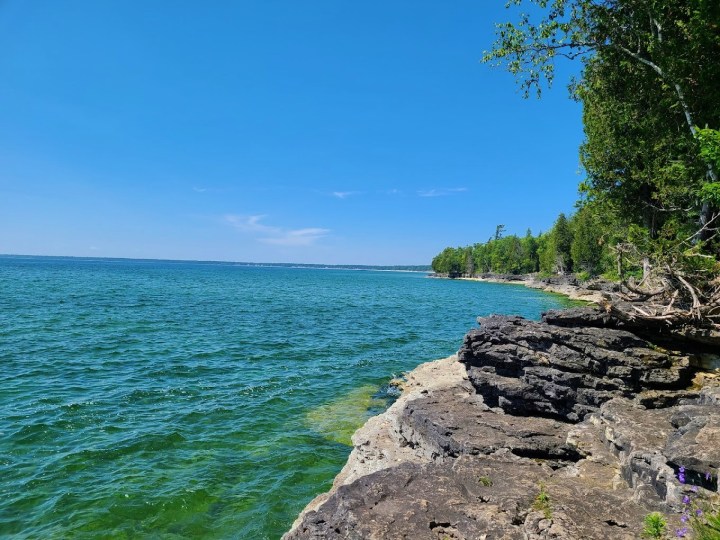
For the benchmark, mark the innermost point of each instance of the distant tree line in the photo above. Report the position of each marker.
(578, 244)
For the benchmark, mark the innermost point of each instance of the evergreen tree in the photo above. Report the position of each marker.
(587, 243)
(562, 239)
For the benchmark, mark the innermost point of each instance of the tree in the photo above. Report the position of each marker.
(554, 248)
(481, 258)
(507, 255)
(449, 261)
(650, 89)
(563, 237)
(546, 254)
(665, 50)
(709, 193)
(469, 261)
(587, 248)
(530, 261)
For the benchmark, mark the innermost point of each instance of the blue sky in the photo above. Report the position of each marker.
(270, 131)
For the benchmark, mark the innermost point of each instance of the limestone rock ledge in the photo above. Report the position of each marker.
(536, 430)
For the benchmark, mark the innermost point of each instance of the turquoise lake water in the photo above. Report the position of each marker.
(147, 399)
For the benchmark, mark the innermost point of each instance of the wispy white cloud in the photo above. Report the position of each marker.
(278, 236)
(251, 224)
(439, 192)
(345, 194)
(297, 237)
(199, 189)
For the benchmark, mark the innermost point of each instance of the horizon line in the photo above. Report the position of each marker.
(242, 263)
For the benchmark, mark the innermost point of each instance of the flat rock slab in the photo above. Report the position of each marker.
(445, 425)
(651, 445)
(472, 498)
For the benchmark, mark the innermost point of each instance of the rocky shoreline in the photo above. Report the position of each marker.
(569, 428)
(592, 291)
(588, 291)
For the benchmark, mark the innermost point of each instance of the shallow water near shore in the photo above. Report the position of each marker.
(184, 400)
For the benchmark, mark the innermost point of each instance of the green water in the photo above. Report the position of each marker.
(145, 399)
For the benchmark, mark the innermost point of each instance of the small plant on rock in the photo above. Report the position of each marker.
(542, 502)
(485, 481)
(654, 526)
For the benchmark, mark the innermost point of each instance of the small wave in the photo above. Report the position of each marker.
(31, 434)
(154, 395)
(138, 445)
(75, 406)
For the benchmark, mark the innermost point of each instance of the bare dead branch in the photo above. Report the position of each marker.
(647, 294)
(672, 301)
(696, 301)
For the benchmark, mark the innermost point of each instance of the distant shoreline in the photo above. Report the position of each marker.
(565, 285)
(380, 267)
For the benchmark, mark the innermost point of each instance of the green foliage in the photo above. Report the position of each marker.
(577, 243)
(554, 249)
(485, 481)
(642, 163)
(542, 502)
(562, 241)
(709, 140)
(450, 261)
(588, 239)
(706, 526)
(530, 252)
(710, 193)
(500, 255)
(655, 525)
(649, 81)
(582, 276)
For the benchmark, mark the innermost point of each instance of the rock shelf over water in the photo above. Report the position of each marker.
(563, 429)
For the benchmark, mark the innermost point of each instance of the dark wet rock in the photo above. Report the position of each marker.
(532, 368)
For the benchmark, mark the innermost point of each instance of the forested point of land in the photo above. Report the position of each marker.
(649, 207)
(564, 249)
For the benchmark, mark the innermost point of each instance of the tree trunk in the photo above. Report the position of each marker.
(646, 269)
(707, 212)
